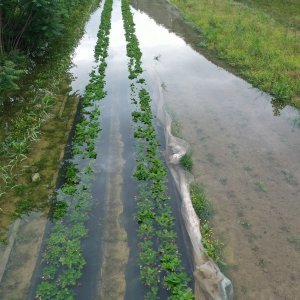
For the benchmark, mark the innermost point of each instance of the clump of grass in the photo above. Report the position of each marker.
(260, 186)
(261, 49)
(212, 246)
(187, 162)
(23, 207)
(203, 208)
(245, 223)
(20, 189)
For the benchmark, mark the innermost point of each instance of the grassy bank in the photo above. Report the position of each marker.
(286, 12)
(36, 126)
(262, 49)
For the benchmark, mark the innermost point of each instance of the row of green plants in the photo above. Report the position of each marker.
(161, 267)
(31, 104)
(63, 258)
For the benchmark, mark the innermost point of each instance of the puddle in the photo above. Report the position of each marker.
(247, 159)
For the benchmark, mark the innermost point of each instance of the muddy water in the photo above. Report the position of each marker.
(247, 159)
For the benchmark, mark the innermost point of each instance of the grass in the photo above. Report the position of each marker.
(260, 48)
(260, 186)
(23, 206)
(212, 246)
(286, 12)
(245, 223)
(187, 162)
(203, 208)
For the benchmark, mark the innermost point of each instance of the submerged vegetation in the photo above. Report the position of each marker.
(63, 256)
(261, 49)
(159, 259)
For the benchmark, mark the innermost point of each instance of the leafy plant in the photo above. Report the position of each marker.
(23, 207)
(186, 161)
(203, 208)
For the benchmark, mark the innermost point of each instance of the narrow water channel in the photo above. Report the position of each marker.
(247, 159)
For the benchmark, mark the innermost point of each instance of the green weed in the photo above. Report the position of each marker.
(23, 207)
(187, 162)
(212, 246)
(244, 223)
(260, 186)
(202, 207)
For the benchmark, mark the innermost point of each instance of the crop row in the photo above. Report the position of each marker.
(63, 256)
(161, 266)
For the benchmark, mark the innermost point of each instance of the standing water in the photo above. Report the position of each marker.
(247, 159)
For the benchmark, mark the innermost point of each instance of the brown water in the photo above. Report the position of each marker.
(247, 159)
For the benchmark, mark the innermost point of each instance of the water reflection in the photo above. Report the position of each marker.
(83, 59)
(247, 158)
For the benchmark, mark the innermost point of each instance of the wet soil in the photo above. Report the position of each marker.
(247, 159)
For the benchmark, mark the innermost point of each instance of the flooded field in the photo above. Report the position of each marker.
(247, 159)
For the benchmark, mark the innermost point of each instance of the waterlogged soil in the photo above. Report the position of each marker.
(247, 159)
